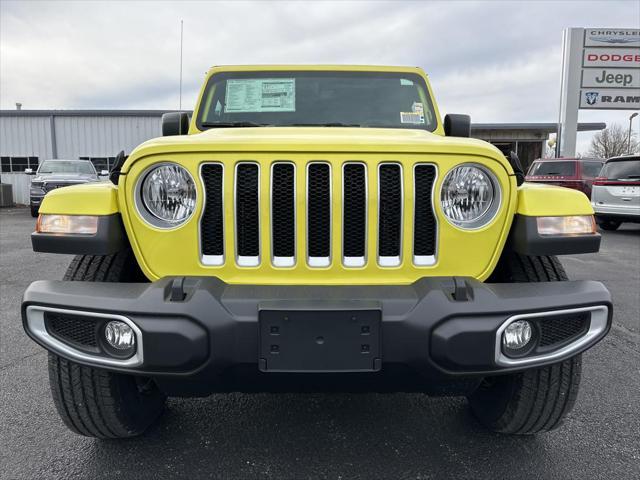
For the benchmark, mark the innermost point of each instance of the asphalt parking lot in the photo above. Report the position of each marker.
(325, 436)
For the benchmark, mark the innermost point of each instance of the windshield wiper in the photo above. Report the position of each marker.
(327, 124)
(233, 124)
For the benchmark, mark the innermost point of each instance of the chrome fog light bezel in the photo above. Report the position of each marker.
(35, 326)
(144, 211)
(598, 326)
(488, 214)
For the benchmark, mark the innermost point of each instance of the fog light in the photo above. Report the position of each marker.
(119, 335)
(517, 335)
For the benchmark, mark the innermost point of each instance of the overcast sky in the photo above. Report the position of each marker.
(499, 61)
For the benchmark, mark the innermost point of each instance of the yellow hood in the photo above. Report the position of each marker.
(316, 139)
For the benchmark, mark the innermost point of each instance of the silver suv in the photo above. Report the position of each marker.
(615, 193)
(52, 174)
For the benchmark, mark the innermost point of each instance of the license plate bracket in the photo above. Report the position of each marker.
(319, 341)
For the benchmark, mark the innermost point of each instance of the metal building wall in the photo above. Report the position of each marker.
(25, 137)
(76, 134)
(80, 136)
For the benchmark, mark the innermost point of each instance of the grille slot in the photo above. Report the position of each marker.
(555, 331)
(319, 214)
(77, 330)
(424, 223)
(248, 214)
(354, 220)
(283, 216)
(389, 214)
(212, 223)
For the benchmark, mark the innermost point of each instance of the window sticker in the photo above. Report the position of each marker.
(411, 117)
(418, 108)
(406, 81)
(415, 116)
(261, 95)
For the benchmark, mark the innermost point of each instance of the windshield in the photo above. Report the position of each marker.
(621, 170)
(295, 98)
(67, 166)
(553, 168)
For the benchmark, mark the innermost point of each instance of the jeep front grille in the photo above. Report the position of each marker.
(318, 202)
(390, 201)
(354, 214)
(424, 222)
(283, 214)
(247, 214)
(212, 223)
(319, 214)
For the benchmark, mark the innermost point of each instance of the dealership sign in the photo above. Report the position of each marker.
(600, 70)
(611, 77)
(610, 99)
(610, 60)
(611, 57)
(607, 37)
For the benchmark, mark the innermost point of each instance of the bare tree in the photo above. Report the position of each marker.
(612, 142)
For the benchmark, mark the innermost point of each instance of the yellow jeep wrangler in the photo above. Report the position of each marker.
(315, 228)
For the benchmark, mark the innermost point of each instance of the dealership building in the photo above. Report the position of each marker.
(29, 136)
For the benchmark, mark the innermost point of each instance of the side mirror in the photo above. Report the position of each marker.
(104, 173)
(175, 123)
(29, 171)
(457, 125)
(514, 160)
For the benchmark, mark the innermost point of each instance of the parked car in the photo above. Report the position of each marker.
(315, 228)
(57, 173)
(576, 173)
(616, 192)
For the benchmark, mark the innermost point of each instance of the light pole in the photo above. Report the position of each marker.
(631, 117)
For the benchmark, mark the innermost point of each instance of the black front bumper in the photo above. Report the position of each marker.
(199, 335)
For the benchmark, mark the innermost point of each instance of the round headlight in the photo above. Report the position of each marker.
(469, 196)
(168, 194)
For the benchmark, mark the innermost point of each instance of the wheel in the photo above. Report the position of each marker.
(34, 211)
(609, 224)
(536, 400)
(95, 402)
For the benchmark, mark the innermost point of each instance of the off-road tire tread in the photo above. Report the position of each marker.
(95, 402)
(535, 400)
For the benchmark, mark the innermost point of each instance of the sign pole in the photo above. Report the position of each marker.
(573, 39)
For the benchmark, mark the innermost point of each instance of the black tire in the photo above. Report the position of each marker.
(95, 402)
(34, 211)
(609, 225)
(535, 400)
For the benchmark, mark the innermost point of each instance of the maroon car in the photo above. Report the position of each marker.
(576, 173)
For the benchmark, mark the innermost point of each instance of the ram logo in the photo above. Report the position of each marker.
(592, 97)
